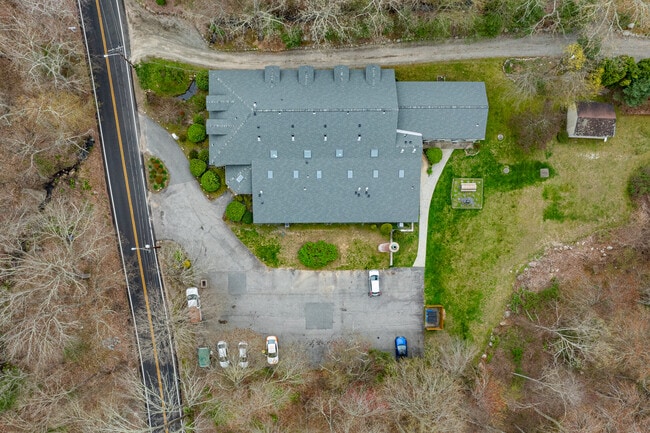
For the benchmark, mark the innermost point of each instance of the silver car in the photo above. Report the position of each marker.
(222, 354)
(243, 354)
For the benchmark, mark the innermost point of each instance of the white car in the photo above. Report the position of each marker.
(272, 349)
(243, 354)
(222, 354)
(193, 304)
(373, 283)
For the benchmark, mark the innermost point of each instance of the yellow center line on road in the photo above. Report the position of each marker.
(135, 233)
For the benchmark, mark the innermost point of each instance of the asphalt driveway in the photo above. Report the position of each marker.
(311, 307)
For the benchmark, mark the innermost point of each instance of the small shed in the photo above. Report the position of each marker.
(591, 120)
(434, 317)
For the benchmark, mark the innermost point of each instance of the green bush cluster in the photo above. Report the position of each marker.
(316, 255)
(197, 167)
(633, 79)
(385, 229)
(202, 80)
(210, 181)
(196, 133)
(194, 154)
(434, 155)
(204, 155)
(235, 211)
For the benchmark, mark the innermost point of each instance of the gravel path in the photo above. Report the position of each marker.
(171, 38)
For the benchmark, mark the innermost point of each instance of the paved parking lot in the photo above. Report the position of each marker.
(314, 307)
(311, 307)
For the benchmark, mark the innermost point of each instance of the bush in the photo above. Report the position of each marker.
(198, 118)
(197, 167)
(638, 186)
(194, 154)
(385, 229)
(316, 255)
(202, 80)
(247, 218)
(637, 93)
(563, 136)
(434, 155)
(292, 38)
(210, 181)
(161, 2)
(204, 155)
(196, 133)
(235, 211)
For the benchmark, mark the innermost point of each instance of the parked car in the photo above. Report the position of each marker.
(401, 349)
(243, 354)
(204, 356)
(222, 354)
(193, 304)
(373, 282)
(272, 349)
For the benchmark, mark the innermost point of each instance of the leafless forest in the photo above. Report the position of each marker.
(279, 24)
(571, 355)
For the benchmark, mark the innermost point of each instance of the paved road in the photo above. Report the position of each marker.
(309, 307)
(118, 127)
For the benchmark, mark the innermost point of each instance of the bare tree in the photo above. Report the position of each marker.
(347, 360)
(324, 17)
(420, 397)
(47, 266)
(575, 339)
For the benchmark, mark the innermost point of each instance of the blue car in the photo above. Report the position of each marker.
(401, 350)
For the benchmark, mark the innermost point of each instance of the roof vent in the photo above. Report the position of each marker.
(341, 74)
(373, 74)
(272, 75)
(305, 75)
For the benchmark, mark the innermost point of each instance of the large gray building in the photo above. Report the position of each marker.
(333, 146)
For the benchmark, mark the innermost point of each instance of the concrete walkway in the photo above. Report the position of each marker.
(427, 186)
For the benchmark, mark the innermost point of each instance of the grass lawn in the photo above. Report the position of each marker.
(473, 256)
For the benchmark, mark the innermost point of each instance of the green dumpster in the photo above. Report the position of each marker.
(204, 357)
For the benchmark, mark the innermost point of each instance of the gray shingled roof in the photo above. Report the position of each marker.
(455, 111)
(308, 143)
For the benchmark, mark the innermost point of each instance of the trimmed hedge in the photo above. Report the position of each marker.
(197, 167)
(235, 211)
(316, 255)
(210, 181)
(434, 155)
(196, 133)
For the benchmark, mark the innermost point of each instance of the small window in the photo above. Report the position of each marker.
(274, 154)
(375, 174)
(339, 153)
(296, 174)
(270, 174)
(319, 174)
(350, 174)
(374, 153)
(307, 153)
(401, 174)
